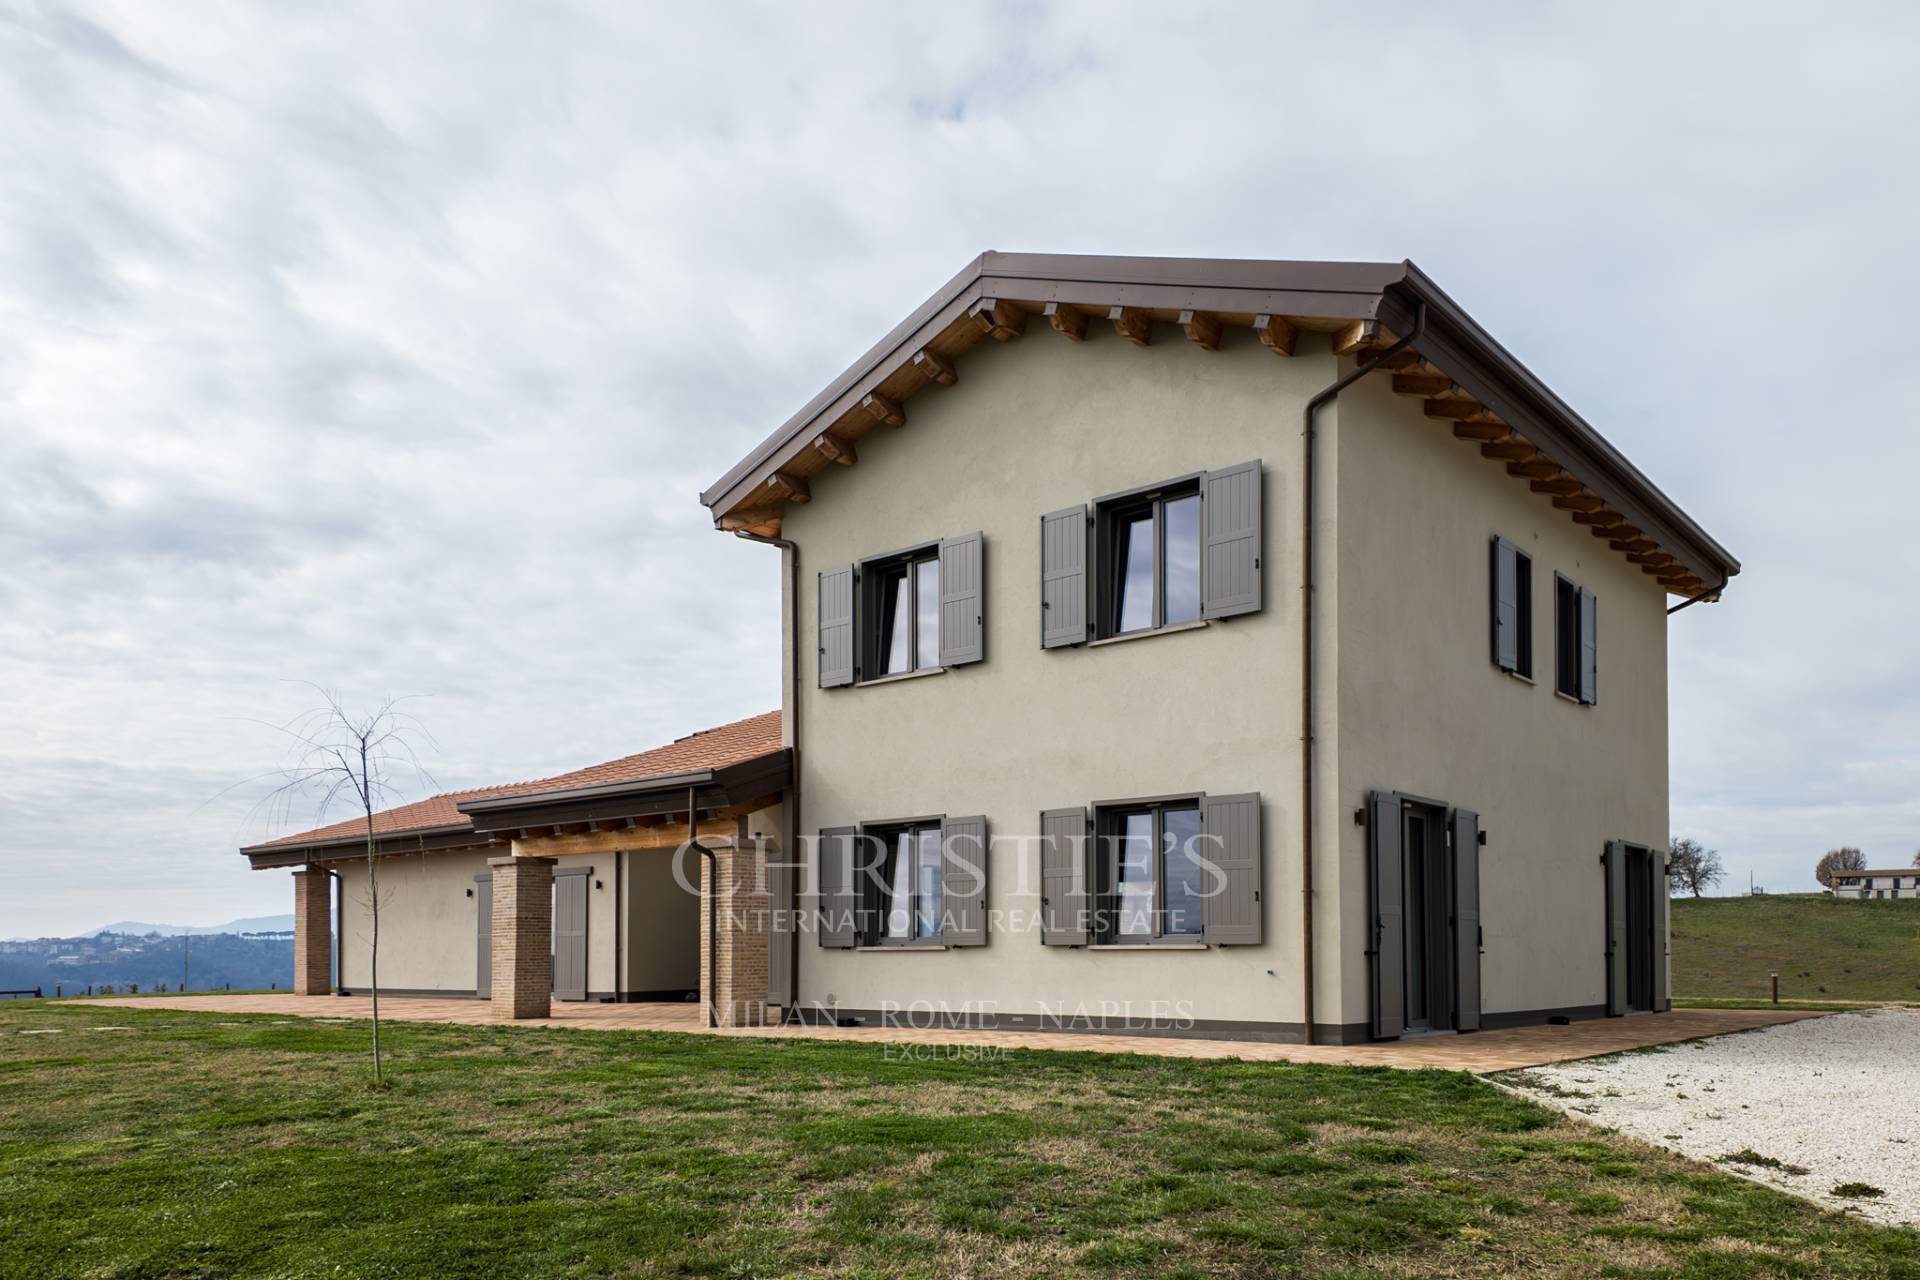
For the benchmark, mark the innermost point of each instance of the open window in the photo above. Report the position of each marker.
(921, 609)
(1148, 560)
(903, 611)
(1150, 873)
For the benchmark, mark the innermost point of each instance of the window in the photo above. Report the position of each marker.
(1575, 630)
(1165, 555)
(1150, 560)
(1512, 592)
(907, 888)
(1150, 874)
(905, 598)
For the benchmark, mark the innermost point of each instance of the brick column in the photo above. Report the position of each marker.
(741, 994)
(312, 933)
(522, 937)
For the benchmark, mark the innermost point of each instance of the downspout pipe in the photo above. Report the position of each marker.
(339, 928)
(1325, 396)
(712, 993)
(791, 827)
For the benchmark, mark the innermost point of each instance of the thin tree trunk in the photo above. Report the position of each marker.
(373, 899)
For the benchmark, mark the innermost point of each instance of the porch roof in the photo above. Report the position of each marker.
(725, 760)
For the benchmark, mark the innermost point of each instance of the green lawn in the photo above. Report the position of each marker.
(210, 1145)
(1825, 949)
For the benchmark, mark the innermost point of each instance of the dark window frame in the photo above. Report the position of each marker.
(871, 573)
(1103, 891)
(1569, 601)
(876, 888)
(1111, 518)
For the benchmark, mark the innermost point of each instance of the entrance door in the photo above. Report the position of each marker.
(1425, 889)
(483, 936)
(1636, 929)
(570, 934)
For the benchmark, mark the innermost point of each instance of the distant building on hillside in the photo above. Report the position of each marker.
(1904, 883)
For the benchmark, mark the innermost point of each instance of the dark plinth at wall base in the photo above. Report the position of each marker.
(675, 996)
(1533, 1017)
(672, 995)
(1198, 1029)
(423, 993)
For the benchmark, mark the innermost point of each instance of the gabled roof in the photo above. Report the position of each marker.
(1468, 380)
(439, 822)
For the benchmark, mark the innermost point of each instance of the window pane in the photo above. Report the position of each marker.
(927, 575)
(1183, 559)
(926, 904)
(1187, 880)
(1133, 579)
(1133, 876)
(900, 886)
(896, 623)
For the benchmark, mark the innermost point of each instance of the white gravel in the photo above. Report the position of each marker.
(1836, 1098)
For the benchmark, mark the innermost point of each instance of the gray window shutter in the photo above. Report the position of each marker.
(1506, 605)
(963, 882)
(1231, 910)
(781, 925)
(1616, 863)
(1589, 664)
(1230, 541)
(1466, 919)
(837, 887)
(1063, 578)
(963, 601)
(1387, 892)
(1662, 904)
(483, 935)
(835, 602)
(1064, 855)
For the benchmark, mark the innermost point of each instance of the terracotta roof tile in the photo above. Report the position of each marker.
(714, 748)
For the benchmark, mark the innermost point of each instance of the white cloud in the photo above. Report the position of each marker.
(389, 348)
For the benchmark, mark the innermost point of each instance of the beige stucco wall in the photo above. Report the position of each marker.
(1033, 426)
(428, 923)
(1423, 710)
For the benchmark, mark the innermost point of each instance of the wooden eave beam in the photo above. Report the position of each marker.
(1068, 320)
(1651, 559)
(1133, 324)
(884, 409)
(1559, 486)
(835, 450)
(763, 522)
(1460, 411)
(1425, 385)
(1480, 430)
(1356, 335)
(789, 488)
(1621, 530)
(1599, 518)
(1535, 468)
(1203, 329)
(1579, 501)
(1277, 334)
(998, 319)
(1633, 544)
(935, 366)
(1513, 449)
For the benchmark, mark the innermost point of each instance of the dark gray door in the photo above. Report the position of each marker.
(1466, 920)
(570, 936)
(1386, 892)
(483, 936)
(1616, 888)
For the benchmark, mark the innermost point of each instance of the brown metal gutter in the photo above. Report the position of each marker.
(1325, 396)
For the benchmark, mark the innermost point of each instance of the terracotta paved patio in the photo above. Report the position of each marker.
(1480, 1053)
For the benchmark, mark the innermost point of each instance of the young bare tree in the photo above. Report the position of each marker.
(1693, 867)
(1916, 857)
(336, 754)
(1845, 858)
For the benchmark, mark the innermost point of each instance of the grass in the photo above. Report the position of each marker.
(1829, 952)
(188, 1145)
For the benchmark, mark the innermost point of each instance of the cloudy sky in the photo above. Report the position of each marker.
(388, 346)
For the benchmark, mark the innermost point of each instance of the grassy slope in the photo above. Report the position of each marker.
(203, 1145)
(1824, 949)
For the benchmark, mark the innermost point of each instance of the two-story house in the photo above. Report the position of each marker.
(1898, 883)
(1228, 648)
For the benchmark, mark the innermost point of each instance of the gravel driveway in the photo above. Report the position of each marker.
(1810, 1106)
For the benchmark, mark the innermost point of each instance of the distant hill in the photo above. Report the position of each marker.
(204, 962)
(250, 924)
(1824, 948)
